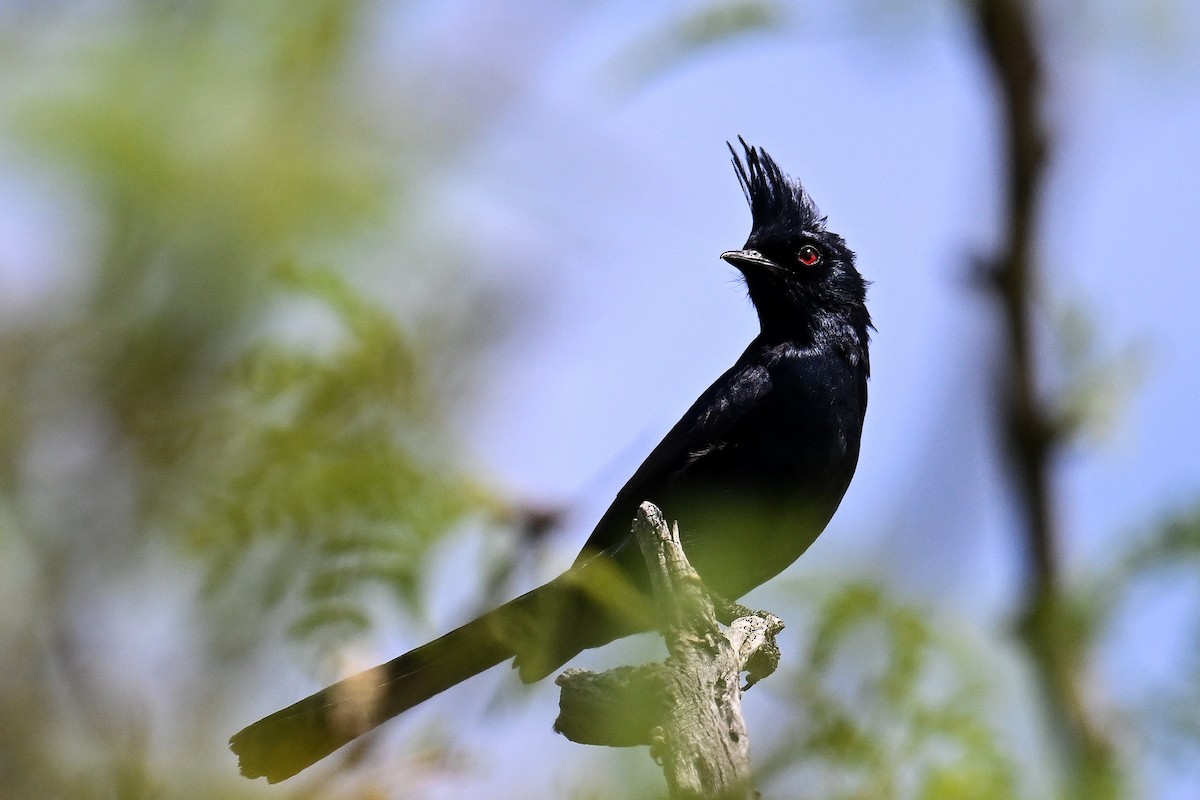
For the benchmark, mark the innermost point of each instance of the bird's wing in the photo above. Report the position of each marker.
(700, 435)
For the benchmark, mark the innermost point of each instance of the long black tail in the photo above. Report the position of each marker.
(590, 604)
(585, 607)
(290, 740)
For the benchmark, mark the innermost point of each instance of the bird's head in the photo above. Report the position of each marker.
(800, 276)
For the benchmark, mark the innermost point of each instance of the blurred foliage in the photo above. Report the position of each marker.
(159, 412)
(685, 36)
(1097, 385)
(330, 459)
(208, 140)
(888, 707)
(1166, 561)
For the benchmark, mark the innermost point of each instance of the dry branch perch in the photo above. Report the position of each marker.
(689, 708)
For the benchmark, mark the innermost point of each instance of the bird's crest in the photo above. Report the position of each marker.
(774, 198)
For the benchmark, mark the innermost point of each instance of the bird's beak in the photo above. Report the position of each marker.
(749, 261)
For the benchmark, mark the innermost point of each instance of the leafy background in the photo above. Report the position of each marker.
(324, 325)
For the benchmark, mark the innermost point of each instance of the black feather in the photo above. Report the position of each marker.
(775, 200)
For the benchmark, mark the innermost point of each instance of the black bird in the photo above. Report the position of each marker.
(752, 472)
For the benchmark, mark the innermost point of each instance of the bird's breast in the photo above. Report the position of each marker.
(776, 484)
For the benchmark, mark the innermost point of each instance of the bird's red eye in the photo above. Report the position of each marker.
(808, 255)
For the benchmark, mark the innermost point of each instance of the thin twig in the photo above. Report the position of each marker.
(1006, 28)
